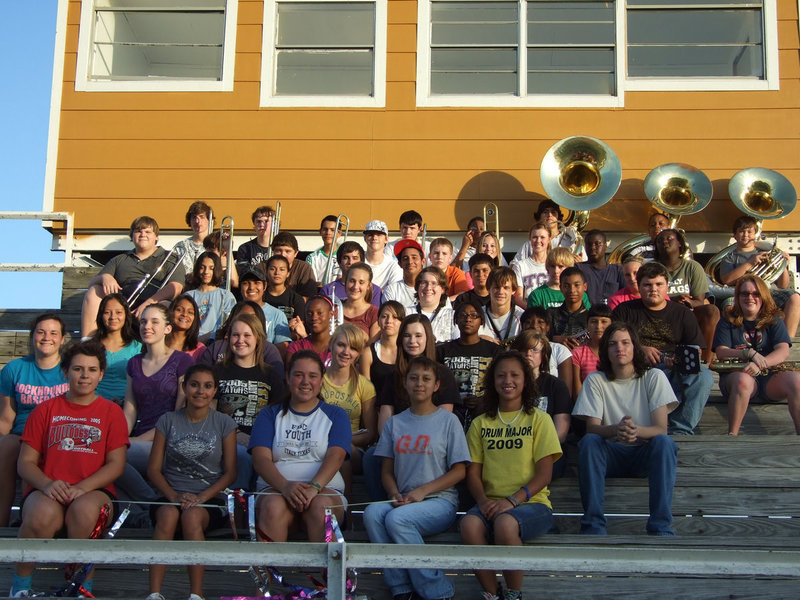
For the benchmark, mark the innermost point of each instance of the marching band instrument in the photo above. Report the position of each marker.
(675, 190)
(337, 315)
(341, 220)
(146, 281)
(425, 235)
(732, 365)
(491, 215)
(275, 227)
(226, 234)
(762, 194)
(210, 221)
(580, 173)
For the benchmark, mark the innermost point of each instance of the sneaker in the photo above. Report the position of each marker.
(488, 596)
(195, 597)
(155, 596)
(513, 595)
(21, 594)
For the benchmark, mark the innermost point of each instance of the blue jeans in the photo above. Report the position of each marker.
(244, 469)
(692, 392)
(408, 524)
(371, 466)
(599, 458)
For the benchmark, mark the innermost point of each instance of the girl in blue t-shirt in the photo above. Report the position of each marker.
(115, 331)
(214, 303)
(752, 333)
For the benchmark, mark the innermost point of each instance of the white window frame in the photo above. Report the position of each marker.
(269, 54)
(771, 80)
(84, 82)
(523, 99)
(624, 83)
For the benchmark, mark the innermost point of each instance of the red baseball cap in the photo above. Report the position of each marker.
(403, 244)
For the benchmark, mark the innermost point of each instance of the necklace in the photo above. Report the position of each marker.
(196, 434)
(508, 423)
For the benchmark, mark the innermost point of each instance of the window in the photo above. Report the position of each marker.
(702, 44)
(324, 53)
(157, 45)
(566, 52)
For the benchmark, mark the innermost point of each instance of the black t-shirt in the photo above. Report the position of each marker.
(661, 329)
(446, 394)
(244, 391)
(566, 323)
(470, 295)
(250, 254)
(553, 395)
(289, 302)
(380, 373)
(467, 363)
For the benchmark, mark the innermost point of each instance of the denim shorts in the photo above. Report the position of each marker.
(534, 519)
(761, 386)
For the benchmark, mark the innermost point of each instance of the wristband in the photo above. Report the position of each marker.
(513, 501)
(315, 485)
(527, 493)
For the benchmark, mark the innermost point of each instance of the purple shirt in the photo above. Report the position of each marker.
(156, 395)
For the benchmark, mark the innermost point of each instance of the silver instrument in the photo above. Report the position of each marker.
(226, 235)
(175, 254)
(341, 221)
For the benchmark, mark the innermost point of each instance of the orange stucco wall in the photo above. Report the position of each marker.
(125, 154)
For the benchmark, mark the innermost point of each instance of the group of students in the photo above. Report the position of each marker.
(418, 390)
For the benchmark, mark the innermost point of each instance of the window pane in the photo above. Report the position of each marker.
(564, 34)
(474, 83)
(326, 24)
(160, 4)
(720, 3)
(694, 27)
(304, 72)
(474, 23)
(174, 44)
(689, 61)
(571, 83)
(474, 60)
(571, 59)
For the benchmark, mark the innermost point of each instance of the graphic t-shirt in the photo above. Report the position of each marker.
(244, 391)
(28, 386)
(193, 458)
(214, 307)
(74, 440)
(424, 447)
(349, 397)
(509, 448)
(299, 441)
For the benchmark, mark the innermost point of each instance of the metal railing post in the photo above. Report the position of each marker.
(337, 571)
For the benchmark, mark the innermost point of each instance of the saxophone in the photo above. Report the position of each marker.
(732, 365)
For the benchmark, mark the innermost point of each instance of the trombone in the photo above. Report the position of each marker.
(226, 234)
(177, 254)
(491, 218)
(274, 229)
(424, 237)
(341, 221)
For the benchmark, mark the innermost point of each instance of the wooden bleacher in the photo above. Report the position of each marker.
(739, 494)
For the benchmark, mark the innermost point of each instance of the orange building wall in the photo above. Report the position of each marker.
(125, 154)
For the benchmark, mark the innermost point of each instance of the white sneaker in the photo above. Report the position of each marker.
(22, 594)
(155, 596)
(195, 597)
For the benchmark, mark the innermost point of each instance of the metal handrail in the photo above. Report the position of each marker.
(337, 557)
(69, 240)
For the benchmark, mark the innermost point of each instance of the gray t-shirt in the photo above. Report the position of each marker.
(423, 448)
(193, 457)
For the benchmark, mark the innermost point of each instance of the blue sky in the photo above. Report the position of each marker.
(27, 35)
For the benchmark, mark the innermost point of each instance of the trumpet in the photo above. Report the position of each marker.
(341, 220)
(226, 234)
(491, 218)
(146, 281)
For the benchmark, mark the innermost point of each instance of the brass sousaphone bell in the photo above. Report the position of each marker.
(675, 190)
(763, 194)
(580, 173)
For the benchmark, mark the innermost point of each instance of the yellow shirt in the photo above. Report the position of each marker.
(509, 453)
(349, 397)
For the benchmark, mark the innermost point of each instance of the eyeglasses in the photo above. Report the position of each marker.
(470, 316)
(748, 294)
(534, 350)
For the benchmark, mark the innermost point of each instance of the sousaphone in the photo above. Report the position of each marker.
(763, 194)
(580, 173)
(675, 190)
